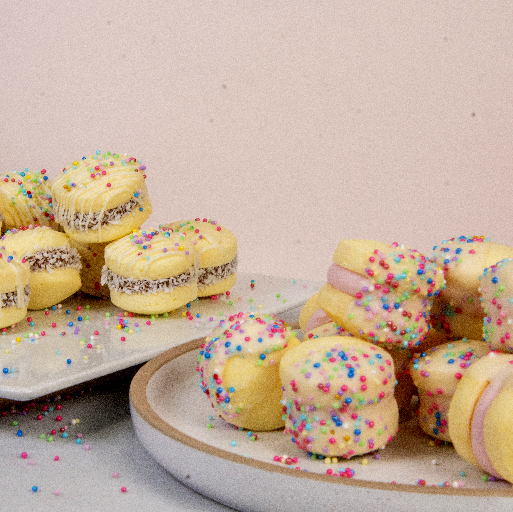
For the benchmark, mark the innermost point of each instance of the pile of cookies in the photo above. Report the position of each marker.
(82, 232)
(389, 323)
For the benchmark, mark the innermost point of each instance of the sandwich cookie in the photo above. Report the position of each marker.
(54, 264)
(217, 250)
(102, 197)
(150, 272)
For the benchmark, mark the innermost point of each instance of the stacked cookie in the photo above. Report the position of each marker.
(338, 395)
(96, 201)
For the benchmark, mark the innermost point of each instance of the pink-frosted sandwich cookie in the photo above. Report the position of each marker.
(338, 396)
(26, 198)
(217, 250)
(311, 314)
(239, 369)
(481, 415)
(54, 264)
(150, 272)
(14, 288)
(101, 197)
(436, 374)
(380, 292)
(496, 289)
(457, 310)
(314, 322)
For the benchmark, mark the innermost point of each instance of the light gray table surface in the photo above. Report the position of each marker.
(84, 478)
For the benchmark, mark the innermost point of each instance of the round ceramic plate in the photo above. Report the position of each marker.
(178, 427)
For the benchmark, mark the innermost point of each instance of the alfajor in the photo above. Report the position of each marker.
(457, 310)
(54, 264)
(150, 272)
(26, 198)
(101, 197)
(495, 287)
(239, 369)
(481, 415)
(338, 396)
(14, 288)
(436, 374)
(216, 247)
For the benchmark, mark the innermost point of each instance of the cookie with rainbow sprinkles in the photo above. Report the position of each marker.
(496, 289)
(338, 396)
(216, 247)
(239, 369)
(436, 374)
(457, 311)
(382, 293)
(25, 199)
(150, 272)
(101, 197)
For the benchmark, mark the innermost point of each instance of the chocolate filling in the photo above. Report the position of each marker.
(10, 299)
(130, 285)
(49, 259)
(211, 275)
(84, 221)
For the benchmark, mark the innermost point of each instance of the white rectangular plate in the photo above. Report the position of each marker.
(87, 338)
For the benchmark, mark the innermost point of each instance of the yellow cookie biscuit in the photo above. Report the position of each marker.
(54, 264)
(93, 260)
(481, 415)
(436, 374)
(239, 369)
(150, 272)
(217, 250)
(14, 288)
(339, 396)
(496, 284)
(382, 293)
(457, 310)
(25, 199)
(102, 197)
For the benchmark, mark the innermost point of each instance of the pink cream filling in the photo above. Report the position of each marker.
(346, 280)
(316, 320)
(477, 427)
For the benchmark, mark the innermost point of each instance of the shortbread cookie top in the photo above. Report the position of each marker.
(150, 254)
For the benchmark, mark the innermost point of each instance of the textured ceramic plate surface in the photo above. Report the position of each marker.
(178, 427)
(87, 338)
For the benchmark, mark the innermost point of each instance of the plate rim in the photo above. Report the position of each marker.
(138, 400)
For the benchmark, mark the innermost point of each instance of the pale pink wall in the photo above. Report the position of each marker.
(294, 123)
